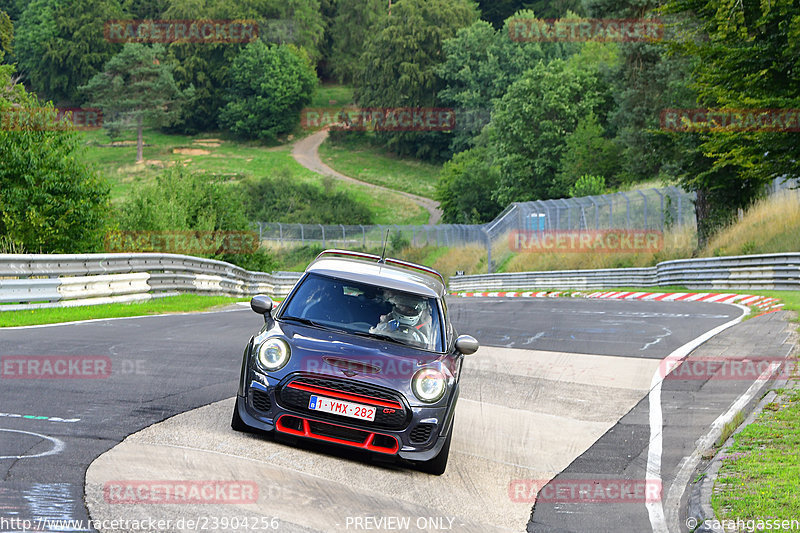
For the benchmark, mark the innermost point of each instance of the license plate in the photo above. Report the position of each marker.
(338, 407)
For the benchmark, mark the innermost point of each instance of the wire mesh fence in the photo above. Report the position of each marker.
(658, 209)
(370, 236)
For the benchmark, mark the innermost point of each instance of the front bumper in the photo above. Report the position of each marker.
(421, 439)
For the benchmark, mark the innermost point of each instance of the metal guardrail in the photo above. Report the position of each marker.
(751, 272)
(36, 281)
(50, 280)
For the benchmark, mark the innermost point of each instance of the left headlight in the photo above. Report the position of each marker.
(429, 385)
(273, 354)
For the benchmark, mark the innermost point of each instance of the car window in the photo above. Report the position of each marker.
(366, 310)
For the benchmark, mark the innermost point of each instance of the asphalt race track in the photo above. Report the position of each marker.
(560, 386)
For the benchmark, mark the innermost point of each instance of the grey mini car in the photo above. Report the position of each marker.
(360, 354)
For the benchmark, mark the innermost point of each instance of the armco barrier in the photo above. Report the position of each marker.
(745, 272)
(50, 280)
(31, 281)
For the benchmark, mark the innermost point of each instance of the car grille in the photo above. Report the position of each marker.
(421, 433)
(395, 417)
(261, 401)
(366, 440)
(337, 432)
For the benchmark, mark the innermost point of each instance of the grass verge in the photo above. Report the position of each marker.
(758, 476)
(372, 164)
(770, 226)
(225, 157)
(173, 304)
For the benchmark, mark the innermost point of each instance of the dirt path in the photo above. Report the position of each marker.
(305, 152)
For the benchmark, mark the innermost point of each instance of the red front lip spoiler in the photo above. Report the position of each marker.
(367, 444)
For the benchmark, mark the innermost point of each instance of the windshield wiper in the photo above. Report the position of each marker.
(306, 321)
(381, 336)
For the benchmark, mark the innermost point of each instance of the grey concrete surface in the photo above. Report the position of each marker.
(163, 366)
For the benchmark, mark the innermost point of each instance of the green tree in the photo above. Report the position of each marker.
(480, 64)
(587, 151)
(270, 85)
(206, 66)
(327, 9)
(747, 57)
(354, 23)
(646, 81)
(13, 8)
(136, 89)
(145, 9)
(6, 34)
(50, 199)
(465, 185)
(398, 66)
(553, 9)
(529, 125)
(60, 45)
(588, 185)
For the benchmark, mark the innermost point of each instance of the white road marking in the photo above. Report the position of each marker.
(58, 445)
(688, 464)
(37, 417)
(655, 510)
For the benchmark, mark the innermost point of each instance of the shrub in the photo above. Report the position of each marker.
(588, 186)
(270, 86)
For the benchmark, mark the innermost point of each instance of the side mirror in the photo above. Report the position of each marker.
(467, 345)
(262, 305)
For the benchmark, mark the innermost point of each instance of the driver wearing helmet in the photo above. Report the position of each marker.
(409, 318)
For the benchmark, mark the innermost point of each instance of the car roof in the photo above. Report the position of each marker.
(379, 274)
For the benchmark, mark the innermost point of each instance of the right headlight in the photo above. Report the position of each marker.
(429, 385)
(273, 354)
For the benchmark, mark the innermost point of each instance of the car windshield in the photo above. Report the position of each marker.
(367, 310)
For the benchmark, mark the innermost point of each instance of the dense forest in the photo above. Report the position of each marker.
(563, 118)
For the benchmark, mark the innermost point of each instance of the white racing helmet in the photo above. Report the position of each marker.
(408, 310)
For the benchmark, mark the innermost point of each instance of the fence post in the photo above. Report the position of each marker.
(323, 234)
(645, 207)
(302, 234)
(488, 251)
(569, 214)
(280, 233)
(627, 210)
(364, 234)
(661, 196)
(260, 233)
(596, 213)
